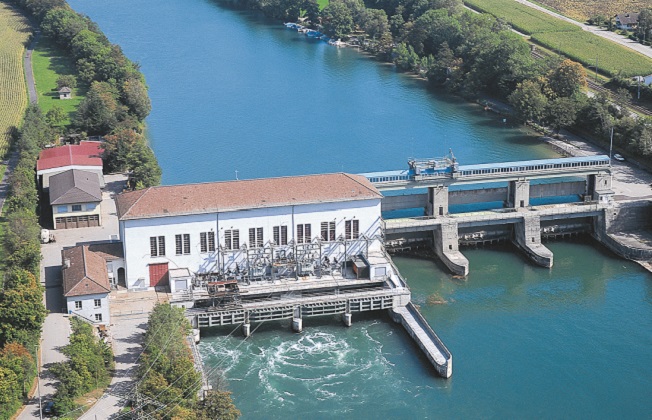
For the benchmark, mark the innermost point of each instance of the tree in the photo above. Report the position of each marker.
(217, 405)
(376, 24)
(528, 100)
(567, 79)
(338, 19)
(100, 111)
(432, 29)
(561, 112)
(644, 28)
(134, 95)
(67, 80)
(55, 116)
(21, 312)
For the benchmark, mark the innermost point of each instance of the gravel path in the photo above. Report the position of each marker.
(29, 73)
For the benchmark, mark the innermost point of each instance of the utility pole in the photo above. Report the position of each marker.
(611, 144)
(38, 382)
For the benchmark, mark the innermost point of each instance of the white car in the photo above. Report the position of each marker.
(619, 157)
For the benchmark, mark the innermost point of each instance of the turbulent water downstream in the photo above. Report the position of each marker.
(233, 91)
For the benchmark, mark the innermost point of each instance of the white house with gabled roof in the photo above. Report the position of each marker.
(218, 226)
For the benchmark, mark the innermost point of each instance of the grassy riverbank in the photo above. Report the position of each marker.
(14, 34)
(566, 38)
(49, 62)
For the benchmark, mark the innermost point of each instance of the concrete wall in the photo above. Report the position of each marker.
(558, 189)
(483, 195)
(88, 309)
(629, 216)
(135, 234)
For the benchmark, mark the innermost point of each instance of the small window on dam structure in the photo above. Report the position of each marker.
(522, 203)
(532, 240)
(450, 247)
(441, 211)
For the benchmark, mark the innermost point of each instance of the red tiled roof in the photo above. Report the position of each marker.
(86, 273)
(87, 153)
(239, 195)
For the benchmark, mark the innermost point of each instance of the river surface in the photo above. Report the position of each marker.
(233, 91)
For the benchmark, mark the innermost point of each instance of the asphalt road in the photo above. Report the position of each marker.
(29, 73)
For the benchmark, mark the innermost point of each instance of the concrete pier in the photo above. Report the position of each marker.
(246, 330)
(297, 325)
(347, 319)
(434, 349)
(527, 237)
(446, 243)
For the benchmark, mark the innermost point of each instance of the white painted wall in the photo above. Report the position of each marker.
(135, 234)
(88, 309)
(68, 207)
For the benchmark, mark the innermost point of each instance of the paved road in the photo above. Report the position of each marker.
(640, 48)
(29, 73)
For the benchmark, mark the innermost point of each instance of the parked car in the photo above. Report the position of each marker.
(619, 157)
(48, 408)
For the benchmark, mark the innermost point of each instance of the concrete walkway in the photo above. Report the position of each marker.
(624, 41)
(29, 72)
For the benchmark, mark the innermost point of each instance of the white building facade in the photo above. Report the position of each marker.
(94, 307)
(217, 227)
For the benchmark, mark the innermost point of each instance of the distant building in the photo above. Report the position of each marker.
(65, 93)
(86, 156)
(627, 21)
(75, 197)
(221, 227)
(86, 284)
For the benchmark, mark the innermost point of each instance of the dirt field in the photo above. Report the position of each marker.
(584, 9)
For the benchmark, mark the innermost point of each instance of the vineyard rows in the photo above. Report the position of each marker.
(566, 38)
(584, 9)
(14, 33)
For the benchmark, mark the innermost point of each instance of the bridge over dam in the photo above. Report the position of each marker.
(518, 191)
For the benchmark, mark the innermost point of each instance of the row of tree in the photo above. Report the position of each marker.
(116, 100)
(21, 295)
(88, 366)
(168, 383)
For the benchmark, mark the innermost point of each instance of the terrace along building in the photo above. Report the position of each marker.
(254, 229)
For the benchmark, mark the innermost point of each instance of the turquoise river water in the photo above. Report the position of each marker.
(233, 91)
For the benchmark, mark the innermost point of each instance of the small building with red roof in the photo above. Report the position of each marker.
(86, 156)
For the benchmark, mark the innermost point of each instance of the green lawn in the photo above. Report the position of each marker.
(49, 62)
(567, 39)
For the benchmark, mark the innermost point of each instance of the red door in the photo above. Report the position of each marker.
(158, 274)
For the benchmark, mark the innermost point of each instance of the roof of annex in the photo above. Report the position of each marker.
(224, 196)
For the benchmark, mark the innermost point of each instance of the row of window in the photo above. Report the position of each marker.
(585, 163)
(97, 303)
(76, 207)
(256, 237)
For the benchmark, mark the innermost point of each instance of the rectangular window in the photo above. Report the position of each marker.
(98, 303)
(91, 206)
(78, 304)
(76, 207)
(352, 229)
(182, 244)
(303, 233)
(98, 317)
(207, 241)
(280, 235)
(232, 239)
(255, 237)
(328, 231)
(62, 209)
(156, 246)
